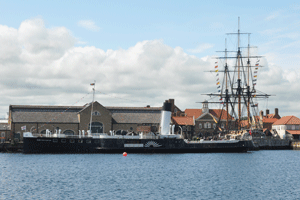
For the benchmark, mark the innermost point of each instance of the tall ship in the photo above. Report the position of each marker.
(236, 77)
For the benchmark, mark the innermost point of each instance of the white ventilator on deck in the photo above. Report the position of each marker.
(173, 129)
(27, 134)
(48, 133)
(165, 119)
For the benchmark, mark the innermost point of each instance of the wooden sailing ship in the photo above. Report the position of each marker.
(237, 91)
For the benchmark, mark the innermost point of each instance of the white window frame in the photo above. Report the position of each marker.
(96, 113)
(200, 125)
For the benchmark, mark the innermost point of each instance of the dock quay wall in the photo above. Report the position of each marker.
(272, 143)
(296, 145)
(11, 147)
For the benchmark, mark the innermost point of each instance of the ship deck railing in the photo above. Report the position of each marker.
(210, 141)
(62, 136)
(98, 136)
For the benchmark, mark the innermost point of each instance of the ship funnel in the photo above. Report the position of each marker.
(165, 119)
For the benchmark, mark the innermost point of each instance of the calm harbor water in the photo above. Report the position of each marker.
(252, 175)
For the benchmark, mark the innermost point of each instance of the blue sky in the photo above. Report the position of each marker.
(186, 28)
(178, 23)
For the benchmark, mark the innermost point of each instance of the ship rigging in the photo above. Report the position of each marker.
(238, 90)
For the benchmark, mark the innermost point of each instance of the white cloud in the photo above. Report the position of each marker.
(272, 16)
(271, 32)
(201, 48)
(88, 24)
(41, 44)
(42, 66)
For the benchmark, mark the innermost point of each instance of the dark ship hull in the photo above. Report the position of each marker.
(165, 142)
(106, 145)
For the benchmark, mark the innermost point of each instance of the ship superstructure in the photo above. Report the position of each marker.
(164, 142)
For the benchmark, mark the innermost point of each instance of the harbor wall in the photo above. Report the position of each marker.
(295, 145)
(272, 143)
(11, 147)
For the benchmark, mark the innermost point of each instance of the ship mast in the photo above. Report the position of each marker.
(237, 90)
(91, 119)
(240, 69)
(226, 87)
(248, 84)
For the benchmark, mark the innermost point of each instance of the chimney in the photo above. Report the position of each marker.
(171, 101)
(267, 112)
(261, 115)
(165, 119)
(276, 111)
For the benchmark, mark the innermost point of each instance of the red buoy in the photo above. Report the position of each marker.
(124, 154)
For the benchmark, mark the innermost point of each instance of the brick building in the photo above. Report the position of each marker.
(4, 131)
(72, 119)
(184, 125)
(269, 119)
(206, 119)
(288, 125)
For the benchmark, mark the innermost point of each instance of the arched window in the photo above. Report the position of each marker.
(97, 127)
(2, 137)
(208, 125)
(96, 113)
(121, 132)
(200, 126)
(68, 132)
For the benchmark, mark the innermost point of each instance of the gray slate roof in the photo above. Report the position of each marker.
(57, 114)
(137, 117)
(112, 108)
(39, 108)
(44, 117)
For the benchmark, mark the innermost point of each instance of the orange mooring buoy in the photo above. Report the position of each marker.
(124, 154)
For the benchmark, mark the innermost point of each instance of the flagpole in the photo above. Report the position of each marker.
(91, 119)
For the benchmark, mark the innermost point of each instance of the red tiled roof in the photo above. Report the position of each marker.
(294, 132)
(193, 112)
(184, 120)
(288, 120)
(215, 112)
(271, 116)
(269, 120)
(265, 120)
